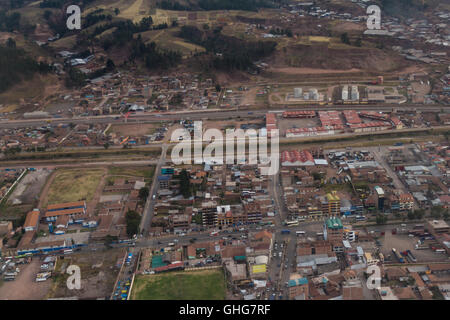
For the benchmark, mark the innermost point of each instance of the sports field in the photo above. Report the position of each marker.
(189, 285)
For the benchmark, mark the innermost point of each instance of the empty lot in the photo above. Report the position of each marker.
(193, 285)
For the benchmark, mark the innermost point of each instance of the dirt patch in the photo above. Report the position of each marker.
(98, 274)
(133, 129)
(27, 191)
(337, 57)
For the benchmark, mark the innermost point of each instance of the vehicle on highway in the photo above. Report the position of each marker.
(293, 223)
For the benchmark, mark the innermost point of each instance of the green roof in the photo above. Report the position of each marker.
(157, 261)
(334, 223)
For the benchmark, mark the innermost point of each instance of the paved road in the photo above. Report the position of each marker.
(200, 114)
(379, 157)
(150, 204)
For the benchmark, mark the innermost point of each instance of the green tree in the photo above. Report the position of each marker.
(446, 215)
(381, 219)
(10, 43)
(133, 220)
(436, 212)
(144, 193)
(185, 184)
(344, 38)
(106, 145)
(47, 14)
(419, 213)
(110, 65)
(218, 87)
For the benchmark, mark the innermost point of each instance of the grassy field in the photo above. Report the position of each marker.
(74, 185)
(144, 172)
(167, 39)
(195, 285)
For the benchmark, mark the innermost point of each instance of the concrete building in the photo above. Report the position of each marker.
(333, 230)
(437, 227)
(380, 197)
(298, 288)
(345, 93)
(298, 93)
(355, 93)
(334, 204)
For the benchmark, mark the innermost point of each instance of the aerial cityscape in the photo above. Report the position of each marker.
(228, 150)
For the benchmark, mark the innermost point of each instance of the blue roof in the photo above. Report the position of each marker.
(164, 178)
(297, 282)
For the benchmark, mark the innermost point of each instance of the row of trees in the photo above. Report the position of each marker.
(153, 57)
(9, 22)
(345, 39)
(247, 5)
(436, 212)
(281, 31)
(15, 65)
(228, 52)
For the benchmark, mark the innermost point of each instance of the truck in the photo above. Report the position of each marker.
(411, 256)
(398, 256)
(285, 231)
(214, 233)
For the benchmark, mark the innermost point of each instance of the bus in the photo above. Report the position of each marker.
(360, 218)
(293, 223)
(300, 233)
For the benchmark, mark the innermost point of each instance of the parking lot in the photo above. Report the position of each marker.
(25, 287)
(403, 242)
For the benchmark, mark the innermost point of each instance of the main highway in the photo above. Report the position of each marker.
(211, 114)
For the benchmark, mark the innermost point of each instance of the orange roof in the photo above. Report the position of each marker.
(263, 234)
(63, 212)
(66, 205)
(32, 219)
